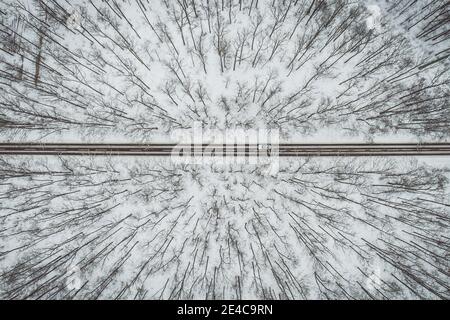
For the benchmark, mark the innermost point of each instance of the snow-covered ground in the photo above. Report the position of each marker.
(144, 228)
(316, 71)
(136, 70)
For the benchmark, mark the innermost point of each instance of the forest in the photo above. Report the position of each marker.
(105, 227)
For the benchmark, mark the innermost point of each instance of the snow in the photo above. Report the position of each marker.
(152, 228)
(232, 216)
(123, 96)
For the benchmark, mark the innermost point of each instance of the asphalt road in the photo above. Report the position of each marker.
(282, 150)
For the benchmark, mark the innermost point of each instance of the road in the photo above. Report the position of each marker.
(284, 150)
